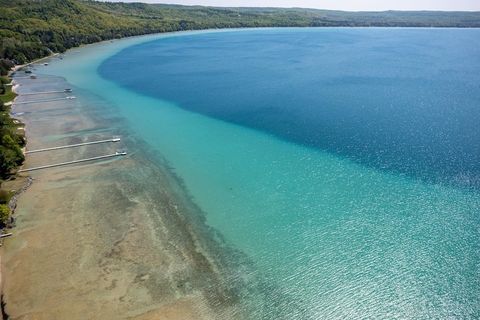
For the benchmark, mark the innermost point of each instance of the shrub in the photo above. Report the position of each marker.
(4, 196)
(4, 213)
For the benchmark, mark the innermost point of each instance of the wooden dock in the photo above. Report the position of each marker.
(73, 145)
(116, 154)
(25, 77)
(45, 100)
(44, 92)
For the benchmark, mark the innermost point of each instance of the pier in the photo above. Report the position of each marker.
(46, 92)
(116, 154)
(25, 77)
(48, 100)
(73, 145)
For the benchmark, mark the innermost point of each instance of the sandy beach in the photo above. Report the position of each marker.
(95, 241)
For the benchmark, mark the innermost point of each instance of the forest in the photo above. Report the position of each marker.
(31, 29)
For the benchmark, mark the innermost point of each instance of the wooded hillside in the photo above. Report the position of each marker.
(31, 29)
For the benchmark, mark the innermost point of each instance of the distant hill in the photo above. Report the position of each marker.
(31, 29)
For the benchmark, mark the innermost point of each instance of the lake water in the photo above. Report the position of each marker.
(343, 163)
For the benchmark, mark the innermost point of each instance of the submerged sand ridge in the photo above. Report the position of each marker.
(115, 239)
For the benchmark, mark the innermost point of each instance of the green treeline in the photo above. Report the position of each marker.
(31, 29)
(12, 139)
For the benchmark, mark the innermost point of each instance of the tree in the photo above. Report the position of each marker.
(4, 213)
(10, 155)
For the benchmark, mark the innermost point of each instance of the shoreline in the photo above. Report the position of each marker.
(20, 66)
(21, 183)
(48, 179)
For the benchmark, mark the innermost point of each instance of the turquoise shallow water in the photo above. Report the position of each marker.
(332, 232)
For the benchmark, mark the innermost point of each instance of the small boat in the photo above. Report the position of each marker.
(68, 90)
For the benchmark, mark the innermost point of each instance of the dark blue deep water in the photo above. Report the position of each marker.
(402, 100)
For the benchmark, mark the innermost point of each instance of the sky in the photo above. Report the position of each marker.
(349, 5)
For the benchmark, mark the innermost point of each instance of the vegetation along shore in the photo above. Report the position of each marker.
(12, 140)
(32, 29)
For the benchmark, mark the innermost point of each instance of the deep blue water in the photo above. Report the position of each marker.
(403, 100)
